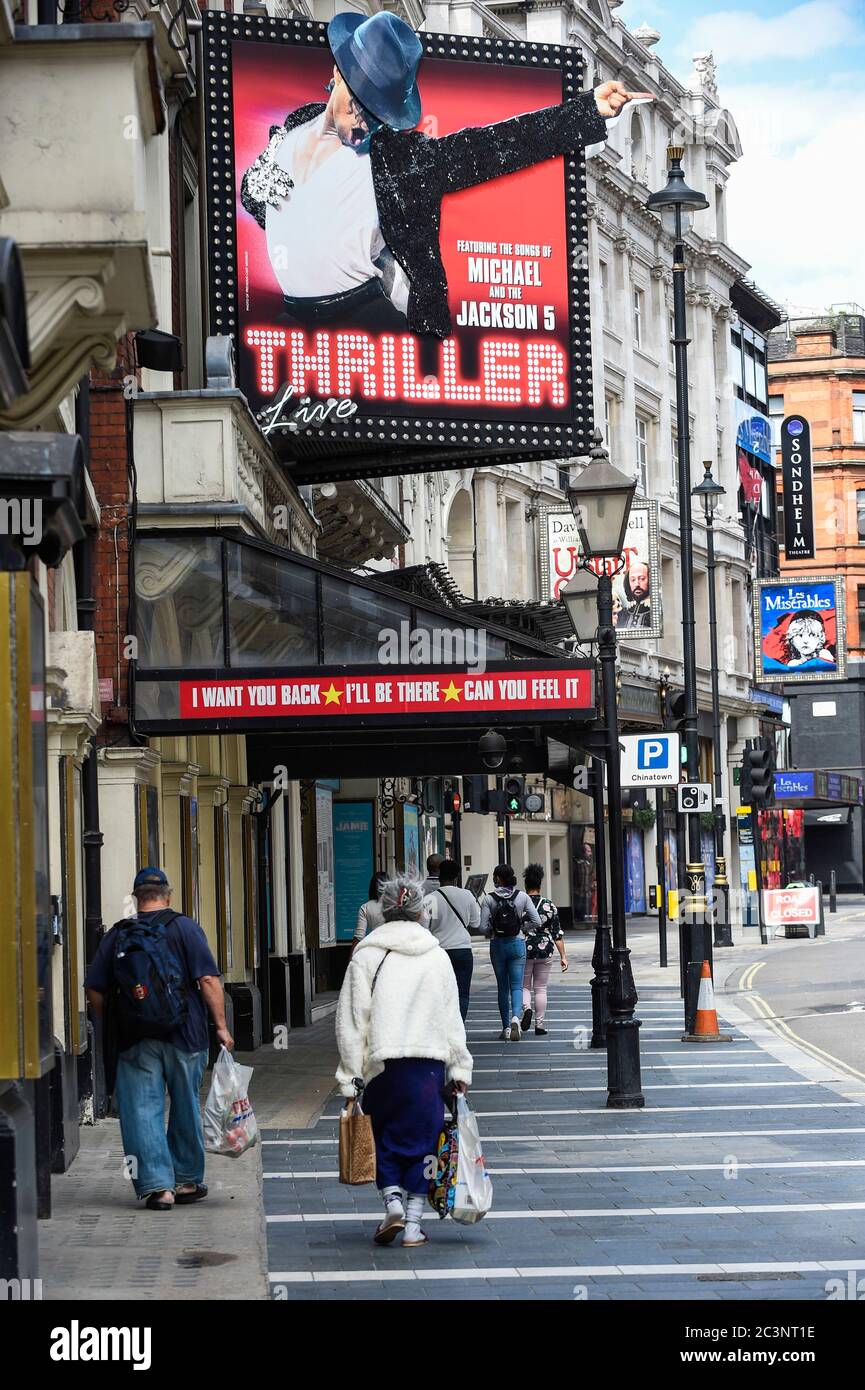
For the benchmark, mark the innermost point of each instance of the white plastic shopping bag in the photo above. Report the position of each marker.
(229, 1120)
(473, 1195)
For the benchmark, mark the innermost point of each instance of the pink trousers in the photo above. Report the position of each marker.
(537, 975)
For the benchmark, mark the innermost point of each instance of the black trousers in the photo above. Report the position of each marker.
(463, 962)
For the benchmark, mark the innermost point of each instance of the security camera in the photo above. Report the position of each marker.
(492, 748)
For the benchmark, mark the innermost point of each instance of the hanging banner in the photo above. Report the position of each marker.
(798, 483)
(637, 607)
(799, 628)
(399, 267)
(753, 431)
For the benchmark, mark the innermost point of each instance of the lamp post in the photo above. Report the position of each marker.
(679, 200)
(580, 597)
(601, 502)
(709, 494)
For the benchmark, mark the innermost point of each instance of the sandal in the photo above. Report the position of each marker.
(407, 1244)
(156, 1203)
(182, 1199)
(389, 1229)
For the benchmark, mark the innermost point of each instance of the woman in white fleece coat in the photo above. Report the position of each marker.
(399, 1029)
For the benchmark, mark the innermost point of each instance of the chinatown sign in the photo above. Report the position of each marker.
(519, 692)
(341, 382)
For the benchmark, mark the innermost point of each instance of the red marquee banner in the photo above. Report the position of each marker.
(452, 695)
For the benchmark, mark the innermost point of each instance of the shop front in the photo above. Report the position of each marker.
(346, 751)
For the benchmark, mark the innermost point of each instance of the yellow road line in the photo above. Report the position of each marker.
(747, 979)
(783, 1029)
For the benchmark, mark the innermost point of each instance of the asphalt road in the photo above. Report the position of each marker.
(815, 990)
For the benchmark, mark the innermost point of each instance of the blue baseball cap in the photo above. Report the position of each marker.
(150, 878)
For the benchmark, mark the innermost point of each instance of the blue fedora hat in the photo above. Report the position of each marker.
(378, 57)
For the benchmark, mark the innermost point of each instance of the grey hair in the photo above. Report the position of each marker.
(401, 899)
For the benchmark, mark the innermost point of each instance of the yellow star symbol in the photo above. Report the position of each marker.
(452, 692)
(332, 696)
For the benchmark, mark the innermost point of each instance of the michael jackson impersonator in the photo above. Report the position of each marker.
(349, 195)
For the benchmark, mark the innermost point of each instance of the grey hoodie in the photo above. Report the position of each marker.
(522, 902)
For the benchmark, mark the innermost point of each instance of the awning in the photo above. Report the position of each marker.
(239, 636)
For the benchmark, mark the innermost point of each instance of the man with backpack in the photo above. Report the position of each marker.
(154, 980)
(453, 914)
(502, 916)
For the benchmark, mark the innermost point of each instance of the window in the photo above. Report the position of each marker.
(638, 318)
(671, 321)
(604, 274)
(354, 619)
(859, 417)
(642, 449)
(776, 415)
(674, 457)
(736, 359)
(760, 375)
(607, 439)
(750, 371)
(179, 602)
(860, 515)
(860, 609)
(272, 609)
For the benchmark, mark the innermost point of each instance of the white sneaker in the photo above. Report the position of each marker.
(505, 1035)
(515, 1032)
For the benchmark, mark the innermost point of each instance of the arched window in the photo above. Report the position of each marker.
(461, 542)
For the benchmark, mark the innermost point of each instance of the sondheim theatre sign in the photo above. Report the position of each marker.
(797, 479)
(444, 312)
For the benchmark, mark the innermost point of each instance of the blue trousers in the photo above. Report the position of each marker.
(508, 955)
(463, 963)
(160, 1161)
(406, 1106)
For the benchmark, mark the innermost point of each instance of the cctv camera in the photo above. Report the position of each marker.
(492, 748)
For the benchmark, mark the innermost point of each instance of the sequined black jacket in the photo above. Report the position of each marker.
(412, 173)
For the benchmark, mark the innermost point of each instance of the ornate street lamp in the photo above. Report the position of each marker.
(601, 502)
(709, 493)
(679, 200)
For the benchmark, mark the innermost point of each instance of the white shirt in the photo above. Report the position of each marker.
(446, 906)
(324, 237)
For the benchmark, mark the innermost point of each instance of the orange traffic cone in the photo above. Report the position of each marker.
(706, 1023)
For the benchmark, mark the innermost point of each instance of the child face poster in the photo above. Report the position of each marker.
(799, 628)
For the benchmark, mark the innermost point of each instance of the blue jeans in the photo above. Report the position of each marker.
(463, 963)
(144, 1072)
(508, 955)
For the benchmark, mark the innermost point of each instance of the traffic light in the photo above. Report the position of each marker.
(673, 709)
(514, 789)
(475, 794)
(453, 800)
(757, 783)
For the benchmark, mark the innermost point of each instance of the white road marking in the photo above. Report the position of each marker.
(586, 1213)
(752, 1269)
(667, 1109)
(621, 1168)
(652, 1086)
(611, 1138)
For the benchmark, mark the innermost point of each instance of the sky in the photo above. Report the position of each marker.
(793, 78)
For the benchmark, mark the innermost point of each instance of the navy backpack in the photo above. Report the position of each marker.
(150, 981)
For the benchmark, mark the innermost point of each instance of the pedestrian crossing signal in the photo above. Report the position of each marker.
(514, 790)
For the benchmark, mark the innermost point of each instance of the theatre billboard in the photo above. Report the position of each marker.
(444, 312)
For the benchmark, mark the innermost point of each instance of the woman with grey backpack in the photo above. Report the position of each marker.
(503, 915)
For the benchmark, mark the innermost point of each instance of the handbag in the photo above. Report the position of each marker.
(356, 1139)
(356, 1143)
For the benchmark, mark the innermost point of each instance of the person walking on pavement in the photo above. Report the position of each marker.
(401, 1036)
(503, 914)
(433, 864)
(159, 963)
(369, 913)
(453, 913)
(539, 951)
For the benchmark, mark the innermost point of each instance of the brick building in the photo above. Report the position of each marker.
(817, 369)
